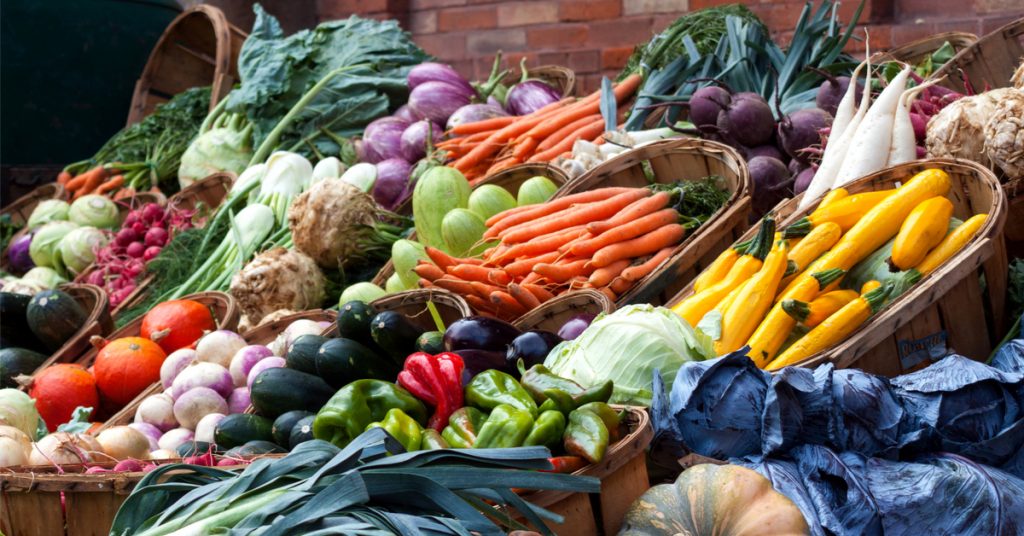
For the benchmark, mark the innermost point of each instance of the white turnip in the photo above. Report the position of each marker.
(244, 360)
(203, 374)
(123, 442)
(172, 439)
(151, 432)
(219, 347)
(239, 400)
(206, 426)
(268, 363)
(174, 364)
(197, 403)
(157, 410)
(903, 147)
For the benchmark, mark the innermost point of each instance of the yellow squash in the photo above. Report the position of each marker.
(845, 212)
(923, 229)
(718, 269)
(833, 196)
(833, 330)
(953, 242)
(748, 308)
(813, 313)
(814, 245)
(868, 286)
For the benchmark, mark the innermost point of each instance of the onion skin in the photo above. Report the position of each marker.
(575, 326)
(17, 254)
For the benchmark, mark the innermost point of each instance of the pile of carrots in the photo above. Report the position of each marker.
(606, 239)
(98, 180)
(485, 147)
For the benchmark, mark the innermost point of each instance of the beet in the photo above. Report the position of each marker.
(800, 130)
(795, 167)
(830, 93)
(705, 104)
(748, 120)
(763, 150)
(803, 180)
(771, 182)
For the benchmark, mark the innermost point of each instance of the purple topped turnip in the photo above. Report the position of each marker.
(239, 400)
(438, 72)
(17, 254)
(771, 182)
(244, 360)
(157, 410)
(748, 120)
(471, 113)
(414, 139)
(382, 138)
(436, 101)
(529, 96)
(392, 182)
(219, 347)
(705, 104)
(197, 403)
(202, 374)
(800, 130)
(174, 364)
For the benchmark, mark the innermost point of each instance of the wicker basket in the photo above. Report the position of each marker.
(266, 332)
(22, 207)
(413, 304)
(623, 474)
(990, 61)
(670, 161)
(916, 51)
(199, 48)
(553, 313)
(561, 78)
(207, 193)
(947, 309)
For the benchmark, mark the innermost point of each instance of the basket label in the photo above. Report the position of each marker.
(928, 348)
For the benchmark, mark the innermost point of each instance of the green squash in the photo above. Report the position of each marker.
(719, 500)
(54, 317)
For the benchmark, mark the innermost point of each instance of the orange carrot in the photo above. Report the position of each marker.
(626, 231)
(525, 266)
(473, 272)
(442, 259)
(523, 296)
(647, 244)
(588, 106)
(503, 164)
(525, 148)
(498, 139)
(428, 271)
(424, 283)
(77, 182)
(457, 286)
(602, 276)
(638, 272)
(561, 272)
(92, 181)
(479, 304)
(501, 221)
(112, 184)
(532, 278)
(63, 177)
(542, 294)
(565, 131)
(504, 302)
(638, 209)
(485, 125)
(541, 244)
(608, 292)
(483, 289)
(565, 144)
(620, 285)
(124, 193)
(579, 215)
(568, 245)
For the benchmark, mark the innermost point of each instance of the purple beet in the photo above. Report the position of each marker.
(764, 150)
(803, 180)
(831, 92)
(748, 120)
(771, 183)
(800, 130)
(705, 104)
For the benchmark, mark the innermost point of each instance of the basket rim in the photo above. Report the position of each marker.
(1009, 29)
(546, 169)
(207, 182)
(423, 295)
(37, 194)
(319, 315)
(534, 316)
(963, 40)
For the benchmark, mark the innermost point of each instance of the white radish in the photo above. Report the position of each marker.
(904, 143)
(848, 106)
(869, 149)
(836, 149)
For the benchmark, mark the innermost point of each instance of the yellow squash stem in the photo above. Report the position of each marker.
(923, 229)
(776, 326)
(845, 213)
(748, 308)
(954, 241)
(833, 196)
(814, 245)
(693, 308)
(813, 313)
(834, 329)
(718, 269)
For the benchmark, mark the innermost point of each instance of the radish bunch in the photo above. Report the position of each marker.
(144, 232)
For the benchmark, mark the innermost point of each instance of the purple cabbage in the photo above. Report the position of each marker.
(383, 137)
(392, 182)
(529, 96)
(437, 101)
(18, 255)
(414, 139)
(471, 113)
(438, 72)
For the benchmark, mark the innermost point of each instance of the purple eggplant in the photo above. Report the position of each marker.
(392, 182)
(479, 333)
(438, 72)
(383, 137)
(407, 113)
(532, 347)
(471, 113)
(529, 96)
(18, 255)
(414, 139)
(477, 361)
(437, 101)
(575, 326)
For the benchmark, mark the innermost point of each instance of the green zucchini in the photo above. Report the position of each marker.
(253, 448)
(17, 361)
(342, 361)
(283, 425)
(301, 355)
(431, 342)
(240, 428)
(354, 321)
(54, 317)
(302, 432)
(395, 334)
(280, 390)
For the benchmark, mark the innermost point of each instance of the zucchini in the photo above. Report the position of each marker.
(254, 448)
(395, 334)
(302, 432)
(923, 229)
(283, 425)
(354, 321)
(197, 448)
(280, 390)
(54, 317)
(14, 322)
(301, 355)
(953, 242)
(240, 428)
(17, 361)
(342, 361)
(431, 342)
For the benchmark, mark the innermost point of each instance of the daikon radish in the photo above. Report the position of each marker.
(835, 150)
(904, 142)
(869, 150)
(848, 106)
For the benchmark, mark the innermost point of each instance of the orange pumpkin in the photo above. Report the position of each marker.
(176, 324)
(59, 389)
(125, 367)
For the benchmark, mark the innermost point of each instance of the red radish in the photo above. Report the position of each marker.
(95, 470)
(139, 227)
(126, 236)
(95, 278)
(135, 249)
(156, 236)
(152, 212)
(151, 253)
(130, 465)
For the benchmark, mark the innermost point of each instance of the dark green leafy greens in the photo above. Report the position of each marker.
(374, 58)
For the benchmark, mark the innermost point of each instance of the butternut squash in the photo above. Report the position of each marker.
(833, 329)
(813, 313)
(923, 229)
(845, 212)
(749, 306)
(953, 242)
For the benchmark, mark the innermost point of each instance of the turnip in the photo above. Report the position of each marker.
(869, 149)
(164, 454)
(197, 403)
(268, 363)
(172, 439)
(771, 180)
(123, 442)
(203, 374)
(800, 130)
(219, 347)
(294, 330)
(748, 120)
(244, 360)
(62, 448)
(206, 426)
(705, 103)
(151, 432)
(239, 400)
(157, 410)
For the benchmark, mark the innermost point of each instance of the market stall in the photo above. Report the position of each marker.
(361, 293)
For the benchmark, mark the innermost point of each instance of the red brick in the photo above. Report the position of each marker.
(464, 67)
(467, 18)
(579, 10)
(702, 4)
(558, 36)
(450, 46)
(491, 41)
(523, 13)
(416, 5)
(782, 16)
(423, 22)
(513, 60)
(972, 25)
(619, 32)
(584, 61)
(847, 9)
(998, 6)
(906, 33)
(588, 83)
(644, 7)
(553, 58)
(991, 24)
(615, 58)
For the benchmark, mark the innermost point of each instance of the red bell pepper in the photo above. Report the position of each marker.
(436, 380)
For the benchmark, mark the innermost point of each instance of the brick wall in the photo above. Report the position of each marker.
(594, 37)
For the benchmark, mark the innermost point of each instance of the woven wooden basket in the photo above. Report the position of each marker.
(21, 208)
(947, 310)
(669, 161)
(561, 78)
(553, 313)
(916, 51)
(413, 304)
(265, 332)
(199, 48)
(990, 61)
(207, 193)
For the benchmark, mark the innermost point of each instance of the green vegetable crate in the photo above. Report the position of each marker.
(947, 310)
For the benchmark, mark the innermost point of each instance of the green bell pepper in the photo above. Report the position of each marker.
(431, 440)
(586, 436)
(610, 417)
(491, 388)
(555, 392)
(360, 403)
(402, 427)
(507, 426)
(463, 427)
(547, 430)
